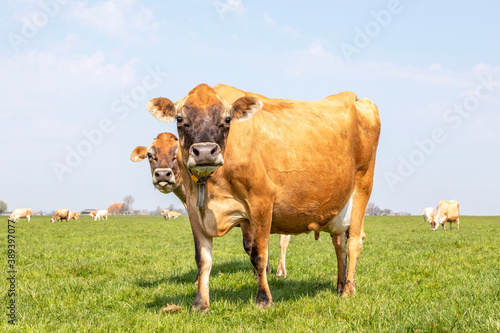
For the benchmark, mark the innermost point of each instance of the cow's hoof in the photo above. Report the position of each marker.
(264, 305)
(348, 292)
(263, 300)
(200, 309)
(280, 274)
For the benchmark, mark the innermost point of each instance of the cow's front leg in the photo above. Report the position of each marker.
(260, 226)
(247, 245)
(284, 241)
(203, 257)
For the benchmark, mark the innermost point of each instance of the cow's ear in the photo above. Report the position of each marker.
(139, 154)
(245, 107)
(162, 108)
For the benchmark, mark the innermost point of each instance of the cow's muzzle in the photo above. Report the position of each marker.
(164, 179)
(204, 158)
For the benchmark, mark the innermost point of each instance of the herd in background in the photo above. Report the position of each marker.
(60, 214)
(447, 211)
(66, 214)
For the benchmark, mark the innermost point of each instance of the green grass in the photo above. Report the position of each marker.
(116, 276)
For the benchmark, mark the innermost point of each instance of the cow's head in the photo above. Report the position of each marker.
(162, 155)
(435, 222)
(438, 220)
(203, 122)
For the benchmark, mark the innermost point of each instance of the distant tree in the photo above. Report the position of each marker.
(369, 208)
(158, 210)
(387, 211)
(3, 207)
(124, 210)
(372, 209)
(128, 201)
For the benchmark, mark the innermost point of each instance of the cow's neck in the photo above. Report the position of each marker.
(180, 192)
(220, 211)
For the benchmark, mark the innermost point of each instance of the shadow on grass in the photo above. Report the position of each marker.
(281, 289)
(231, 267)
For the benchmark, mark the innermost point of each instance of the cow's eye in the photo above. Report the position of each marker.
(150, 155)
(179, 119)
(228, 120)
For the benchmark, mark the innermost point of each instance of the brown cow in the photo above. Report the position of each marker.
(60, 214)
(294, 167)
(20, 213)
(447, 211)
(163, 158)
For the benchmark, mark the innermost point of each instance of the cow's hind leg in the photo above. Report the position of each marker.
(284, 241)
(340, 242)
(362, 191)
(458, 225)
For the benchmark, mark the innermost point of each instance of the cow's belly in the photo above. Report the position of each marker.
(334, 219)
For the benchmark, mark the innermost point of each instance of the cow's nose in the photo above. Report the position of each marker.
(163, 174)
(205, 153)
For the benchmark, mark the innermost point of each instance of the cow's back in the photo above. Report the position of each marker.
(62, 213)
(448, 209)
(308, 152)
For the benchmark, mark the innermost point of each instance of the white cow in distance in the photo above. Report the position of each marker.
(171, 214)
(20, 213)
(98, 214)
(428, 214)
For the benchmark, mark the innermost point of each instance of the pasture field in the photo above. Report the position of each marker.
(116, 276)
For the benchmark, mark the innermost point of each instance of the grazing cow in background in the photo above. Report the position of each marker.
(428, 214)
(168, 214)
(73, 216)
(60, 214)
(163, 158)
(20, 213)
(292, 167)
(100, 213)
(173, 214)
(165, 214)
(447, 211)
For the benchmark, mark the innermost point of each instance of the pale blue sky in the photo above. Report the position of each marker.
(76, 76)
